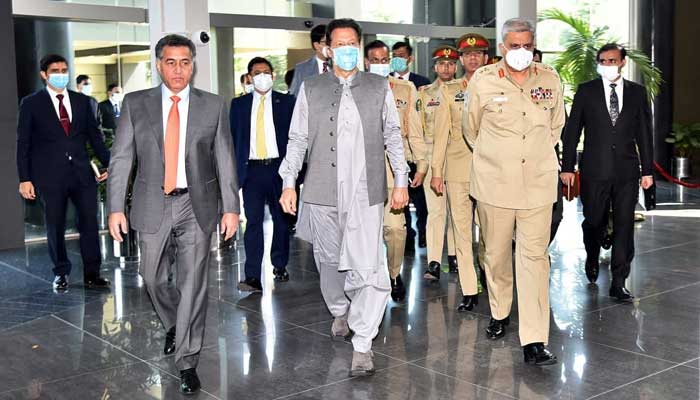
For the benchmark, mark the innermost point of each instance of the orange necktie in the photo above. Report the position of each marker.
(172, 145)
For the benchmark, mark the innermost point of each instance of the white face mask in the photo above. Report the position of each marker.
(324, 52)
(519, 59)
(609, 72)
(116, 97)
(262, 82)
(380, 69)
(86, 90)
(249, 88)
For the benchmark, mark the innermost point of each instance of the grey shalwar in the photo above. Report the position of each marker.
(347, 238)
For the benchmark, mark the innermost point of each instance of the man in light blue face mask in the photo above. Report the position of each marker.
(345, 119)
(55, 124)
(401, 59)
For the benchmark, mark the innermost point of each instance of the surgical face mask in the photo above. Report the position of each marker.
(609, 72)
(324, 52)
(262, 82)
(346, 57)
(59, 81)
(399, 64)
(519, 59)
(116, 97)
(379, 69)
(86, 90)
(249, 88)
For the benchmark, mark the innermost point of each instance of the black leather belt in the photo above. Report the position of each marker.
(267, 161)
(176, 192)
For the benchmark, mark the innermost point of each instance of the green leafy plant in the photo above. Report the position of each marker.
(577, 63)
(685, 138)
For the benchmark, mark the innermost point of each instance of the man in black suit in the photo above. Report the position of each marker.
(52, 163)
(110, 109)
(260, 127)
(616, 116)
(401, 58)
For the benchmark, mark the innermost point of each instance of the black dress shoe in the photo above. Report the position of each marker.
(189, 381)
(592, 269)
(96, 282)
(433, 271)
(468, 303)
(537, 354)
(621, 293)
(169, 342)
(60, 282)
(281, 275)
(497, 328)
(421, 240)
(398, 290)
(250, 285)
(606, 242)
(452, 261)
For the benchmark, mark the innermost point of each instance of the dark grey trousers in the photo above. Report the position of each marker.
(180, 246)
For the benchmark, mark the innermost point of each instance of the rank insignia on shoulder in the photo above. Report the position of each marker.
(501, 73)
(541, 94)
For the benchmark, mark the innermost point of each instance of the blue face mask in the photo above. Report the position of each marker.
(399, 64)
(346, 57)
(59, 81)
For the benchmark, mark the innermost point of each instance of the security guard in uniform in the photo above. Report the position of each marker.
(513, 117)
(430, 98)
(451, 166)
(405, 95)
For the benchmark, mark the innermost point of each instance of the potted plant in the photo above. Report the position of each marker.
(685, 139)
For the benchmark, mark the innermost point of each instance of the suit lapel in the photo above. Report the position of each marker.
(48, 105)
(626, 97)
(154, 107)
(75, 110)
(603, 101)
(196, 103)
(275, 115)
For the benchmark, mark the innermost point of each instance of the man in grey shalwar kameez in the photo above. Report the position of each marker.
(345, 119)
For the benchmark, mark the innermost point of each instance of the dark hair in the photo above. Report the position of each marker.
(174, 41)
(242, 78)
(111, 86)
(50, 59)
(318, 33)
(537, 52)
(399, 45)
(611, 46)
(376, 44)
(259, 60)
(289, 77)
(81, 78)
(343, 23)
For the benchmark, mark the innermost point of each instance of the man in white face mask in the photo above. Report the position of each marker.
(405, 96)
(616, 116)
(110, 109)
(512, 119)
(260, 125)
(83, 84)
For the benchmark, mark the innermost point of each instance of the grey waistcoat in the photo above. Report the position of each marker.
(323, 95)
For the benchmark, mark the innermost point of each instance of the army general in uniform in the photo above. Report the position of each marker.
(513, 117)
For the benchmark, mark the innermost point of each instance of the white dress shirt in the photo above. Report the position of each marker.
(404, 76)
(182, 108)
(66, 102)
(319, 63)
(270, 136)
(618, 89)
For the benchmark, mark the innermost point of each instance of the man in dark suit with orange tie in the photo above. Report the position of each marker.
(260, 127)
(55, 124)
(616, 116)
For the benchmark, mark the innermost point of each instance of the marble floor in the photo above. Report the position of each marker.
(87, 344)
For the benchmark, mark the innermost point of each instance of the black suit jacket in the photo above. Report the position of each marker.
(106, 115)
(418, 80)
(609, 152)
(46, 156)
(241, 109)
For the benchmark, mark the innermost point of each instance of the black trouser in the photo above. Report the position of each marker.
(264, 186)
(557, 213)
(54, 200)
(417, 197)
(597, 197)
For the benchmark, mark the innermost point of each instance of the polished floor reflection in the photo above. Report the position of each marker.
(87, 344)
